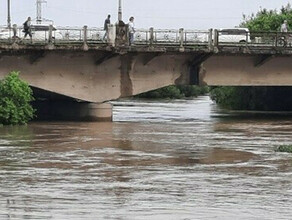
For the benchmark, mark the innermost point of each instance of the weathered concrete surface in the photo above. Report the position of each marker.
(100, 75)
(230, 70)
(96, 76)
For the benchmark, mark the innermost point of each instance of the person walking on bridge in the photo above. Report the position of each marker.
(107, 22)
(286, 38)
(284, 27)
(27, 28)
(131, 31)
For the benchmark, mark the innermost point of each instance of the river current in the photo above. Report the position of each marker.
(182, 159)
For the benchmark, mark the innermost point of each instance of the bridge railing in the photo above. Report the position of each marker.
(77, 35)
(179, 38)
(171, 37)
(63, 35)
(240, 37)
(274, 39)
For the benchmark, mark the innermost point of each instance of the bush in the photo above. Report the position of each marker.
(15, 98)
(171, 92)
(193, 91)
(175, 92)
(285, 149)
(253, 98)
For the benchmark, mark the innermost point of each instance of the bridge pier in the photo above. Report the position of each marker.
(73, 111)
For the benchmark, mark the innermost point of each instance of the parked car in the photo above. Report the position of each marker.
(234, 35)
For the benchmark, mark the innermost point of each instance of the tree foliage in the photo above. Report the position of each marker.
(268, 20)
(15, 98)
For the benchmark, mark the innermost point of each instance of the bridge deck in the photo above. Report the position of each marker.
(185, 41)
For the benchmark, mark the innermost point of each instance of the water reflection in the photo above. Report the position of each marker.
(183, 159)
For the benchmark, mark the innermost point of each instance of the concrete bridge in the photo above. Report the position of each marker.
(76, 64)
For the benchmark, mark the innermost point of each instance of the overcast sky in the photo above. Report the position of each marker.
(189, 14)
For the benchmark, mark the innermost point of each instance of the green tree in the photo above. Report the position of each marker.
(258, 98)
(268, 20)
(15, 98)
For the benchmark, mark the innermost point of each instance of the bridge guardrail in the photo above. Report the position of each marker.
(172, 37)
(253, 38)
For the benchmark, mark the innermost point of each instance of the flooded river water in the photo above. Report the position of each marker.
(182, 159)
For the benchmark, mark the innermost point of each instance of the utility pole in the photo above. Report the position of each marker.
(120, 11)
(39, 10)
(8, 14)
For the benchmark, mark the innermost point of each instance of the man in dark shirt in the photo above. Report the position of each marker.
(27, 28)
(107, 22)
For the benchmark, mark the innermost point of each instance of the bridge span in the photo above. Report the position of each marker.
(79, 65)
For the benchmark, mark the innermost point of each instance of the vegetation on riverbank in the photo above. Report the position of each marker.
(175, 92)
(15, 99)
(258, 98)
(284, 149)
(253, 98)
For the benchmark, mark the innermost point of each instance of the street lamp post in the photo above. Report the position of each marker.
(8, 14)
(39, 10)
(120, 11)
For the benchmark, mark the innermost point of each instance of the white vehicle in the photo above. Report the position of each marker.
(233, 35)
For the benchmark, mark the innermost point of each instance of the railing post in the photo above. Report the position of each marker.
(85, 46)
(151, 39)
(210, 39)
(216, 38)
(14, 29)
(247, 38)
(181, 37)
(111, 35)
(50, 34)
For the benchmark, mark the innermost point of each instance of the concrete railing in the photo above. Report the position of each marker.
(151, 37)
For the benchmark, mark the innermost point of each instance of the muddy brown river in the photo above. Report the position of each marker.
(183, 159)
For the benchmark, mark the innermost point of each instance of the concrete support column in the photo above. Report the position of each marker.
(100, 111)
(73, 111)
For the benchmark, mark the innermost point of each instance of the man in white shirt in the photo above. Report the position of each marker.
(131, 31)
(284, 27)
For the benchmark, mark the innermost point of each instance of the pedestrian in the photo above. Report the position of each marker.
(107, 22)
(131, 30)
(27, 28)
(284, 27)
